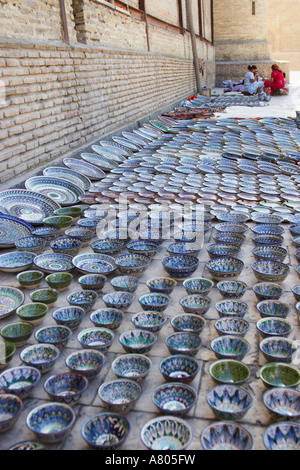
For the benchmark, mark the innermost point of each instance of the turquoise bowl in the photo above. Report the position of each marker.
(69, 316)
(231, 326)
(273, 308)
(100, 339)
(232, 289)
(231, 307)
(20, 380)
(199, 285)
(154, 301)
(33, 244)
(162, 285)
(51, 422)
(106, 431)
(229, 402)
(282, 436)
(230, 347)
(110, 318)
(125, 283)
(274, 326)
(132, 366)
(179, 368)
(278, 349)
(59, 281)
(118, 299)
(10, 410)
(279, 374)
(45, 295)
(150, 321)
(17, 333)
(42, 356)
(183, 343)
(30, 279)
(188, 322)
(225, 267)
(107, 246)
(226, 435)
(87, 362)
(66, 387)
(229, 371)
(57, 335)
(174, 399)
(85, 299)
(137, 341)
(93, 282)
(66, 245)
(120, 395)
(283, 404)
(270, 270)
(267, 290)
(33, 313)
(166, 433)
(180, 266)
(196, 304)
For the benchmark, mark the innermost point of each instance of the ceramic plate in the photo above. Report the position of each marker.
(117, 147)
(95, 263)
(90, 171)
(11, 229)
(10, 299)
(98, 160)
(16, 261)
(108, 153)
(68, 174)
(53, 262)
(126, 143)
(58, 189)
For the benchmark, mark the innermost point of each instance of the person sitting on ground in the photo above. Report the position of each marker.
(252, 85)
(277, 81)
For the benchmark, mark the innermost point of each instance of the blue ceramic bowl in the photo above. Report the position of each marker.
(267, 229)
(231, 307)
(92, 282)
(183, 343)
(283, 404)
(296, 292)
(118, 299)
(162, 285)
(184, 248)
(132, 264)
(195, 303)
(267, 218)
(231, 326)
(107, 246)
(145, 247)
(229, 402)
(125, 283)
(270, 271)
(85, 299)
(166, 433)
(137, 341)
(48, 233)
(267, 290)
(51, 422)
(69, 316)
(66, 387)
(282, 436)
(294, 229)
(150, 321)
(132, 366)
(41, 356)
(231, 238)
(174, 398)
(278, 349)
(180, 266)
(56, 335)
(225, 267)
(226, 436)
(119, 395)
(66, 245)
(106, 431)
(10, 409)
(265, 239)
(87, 362)
(110, 318)
(273, 326)
(17, 333)
(231, 227)
(196, 285)
(179, 368)
(188, 323)
(230, 347)
(82, 234)
(154, 301)
(229, 371)
(272, 252)
(279, 374)
(19, 381)
(273, 308)
(100, 339)
(217, 250)
(232, 289)
(33, 244)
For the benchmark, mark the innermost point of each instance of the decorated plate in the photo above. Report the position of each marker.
(108, 153)
(95, 263)
(12, 229)
(16, 261)
(58, 189)
(117, 147)
(90, 171)
(98, 160)
(10, 299)
(53, 262)
(27, 205)
(68, 174)
(126, 143)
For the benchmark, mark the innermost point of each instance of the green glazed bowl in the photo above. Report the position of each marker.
(60, 221)
(33, 313)
(229, 371)
(30, 279)
(59, 281)
(279, 374)
(17, 333)
(7, 350)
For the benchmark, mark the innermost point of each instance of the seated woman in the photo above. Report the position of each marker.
(251, 83)
(277, 81)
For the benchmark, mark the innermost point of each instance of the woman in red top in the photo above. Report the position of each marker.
(277, 79)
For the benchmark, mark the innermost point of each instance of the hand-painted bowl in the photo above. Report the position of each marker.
(69, 316)
(96, 338)
(296, 292)
(33, 313)
(106, 431)
(188, 322)
(150, 321)
(20, 381)
(217, 250)
(66, 387)
(85, 235)
(175, 399)
(231, 307)
(92, 282)
(85, 299)
(279, 374)
(59, 281)
(267, 290)
(33, 244)
(166, 433)
(225, 267)
(125, 283)
(272, 252)
(195, 303)
(270, 271)
(110, 318)
(179, 368)
(118, 299)
(162, 285)
(273, 308)
(51, 422)
(231, 238)
(10, 409)
(199, 285)
(145, 247)
(231, 227)
(41, 356)
(231, 326)
(17, 333)
(48, 233)
(154, 301)
(107, 246)
(184, 248)
(225, 435)
(267, 229)
(66, 245)
(30, 279)
(180, 266)
(229, 371)
(278, 349)
(183, 343)
(230, 347)
(57, 335)
(45, 295)
(232, 289)
(282, 436)
(120, 395)
(229, 402)
(265, 239)
(132, 264)
(132, 366)
(283, 404)
(273, 326)
(137, 341)
(87, 362)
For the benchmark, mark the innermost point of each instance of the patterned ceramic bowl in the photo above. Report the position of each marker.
(232, 289)
(132, 366)
(66, 387)
(92, 282)
(277, 349)
(56, 335)
(162, 285)
(118, 299)
(20, 380)
(166, 433)
(225, 267)
(283, 404)
(232, 326)
(85, 299)
(106, 431)
(282, 436)
(66, 245)
(200, 286)
(87, 362)
(110, 318)
(229, 402)
(217, 250)
(273, 308)
(183, 343)
(188, 322)
(174, 398)
(132, 264)
(179, 368)
(267, 290)
(271, 271)
(69, 316)
(230, 347)
(154, 301)
(51, 422)
(150, 321)
(41, 356)
(180, 266)
(10, 409)
(274, 326)
(231, 307)
(272, 252)
(226, 436)
(137, 341)
(107, 246)
(125, 283)
(119, 395)
(100, 339)
(33, 244)
(196, 304)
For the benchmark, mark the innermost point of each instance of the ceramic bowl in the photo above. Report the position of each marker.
(231, 326)
(33, 313)
(33, 244)
(48, 233)
(92, 282)
(175, 399)
(60, 221)
(16, 261)
(132, 366)
(267, 290)
(231, 227)
(69, 316)
(58, 335)
(200, 286)
(283, 404)
(110, 318)
(229, 402)
(184, 248)
(73, 211)
(30, 279)
(188, 323)
(107, 246)
(66, 387)
(150, 321)
(267, 218)
(166, 433)
(231, 307)
(80, 233)
(20, 380)
(41, 356)
(66, 245)
(230, 347)
(125, 283)
(294, 229)
(278, 349)
(137, 341)
(132, 264)
(229, 238)
(296, 292)
(7, 352)
(267, 240)
(180, 266)
(106, 431)
(162, 285)
(270, 271)
(87, 362)
(272, 252)
(10, 410)
(279, 374)
(179, 368)
(51, 422)
(273, 308)
(229, 371)
(225, 267)
(196, 304)
(119, 395)
(217, 250)
(232, 289)
(154, 301)
(17, 333)
(45, 295)
(59, 281)
(118, 299)
(225, 435)
(282, 436)
(85, 299)
(145, 247)
(267, 229)
(96, 338)
(274, 326)
(183, 343)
